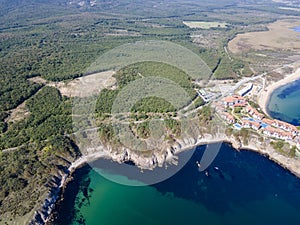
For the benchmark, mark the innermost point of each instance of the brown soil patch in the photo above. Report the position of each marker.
(38, 80)
(87, 85)
(83, 86)
(18, 114)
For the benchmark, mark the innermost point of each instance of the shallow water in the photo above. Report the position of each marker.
(247, 189)
(284, 103)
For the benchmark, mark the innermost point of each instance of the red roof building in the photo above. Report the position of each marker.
(267, 121)
(271, 132)
(285, 126)
(251, 124)
(234, 99)
(228, 117)
(253, 112)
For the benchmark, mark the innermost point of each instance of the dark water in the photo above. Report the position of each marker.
(247, 189)
(284, 103)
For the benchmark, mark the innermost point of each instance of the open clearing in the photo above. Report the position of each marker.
(83, 86)
(279, 37)
(205, 25)
(18, 114)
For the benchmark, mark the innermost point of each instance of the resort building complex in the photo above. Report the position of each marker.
(239, 112)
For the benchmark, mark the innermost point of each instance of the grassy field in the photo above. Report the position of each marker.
(205, 25)
(280, 36)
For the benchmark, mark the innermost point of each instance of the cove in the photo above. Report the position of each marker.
(241, 188)
(284, 103)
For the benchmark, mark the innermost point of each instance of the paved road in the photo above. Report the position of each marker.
(248, 79)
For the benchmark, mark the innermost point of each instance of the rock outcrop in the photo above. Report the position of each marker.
(41, 216)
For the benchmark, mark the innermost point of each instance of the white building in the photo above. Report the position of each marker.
(245, 90)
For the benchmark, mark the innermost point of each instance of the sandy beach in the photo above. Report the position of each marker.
(265, 94)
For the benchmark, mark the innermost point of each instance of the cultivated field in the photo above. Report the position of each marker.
(205, 25)
(280, 37)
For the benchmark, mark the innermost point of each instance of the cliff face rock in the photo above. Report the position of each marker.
(41, 216)
(143, 161)
(150, 160)
(156, 158)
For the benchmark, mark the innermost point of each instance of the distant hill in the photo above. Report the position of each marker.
(21, 9)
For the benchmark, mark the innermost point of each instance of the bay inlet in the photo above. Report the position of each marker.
(241, 188)
(284, 103)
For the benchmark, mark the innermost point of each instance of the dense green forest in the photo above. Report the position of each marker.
(50, 115)
(59, 49)
(26, 173)
(150, 104)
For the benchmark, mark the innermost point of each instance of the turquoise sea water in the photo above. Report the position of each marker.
(284, 103)
(247, 189)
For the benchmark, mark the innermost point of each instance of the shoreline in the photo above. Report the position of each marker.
(265, 95)
(170, 154)
(284, 161)
(289, 164)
